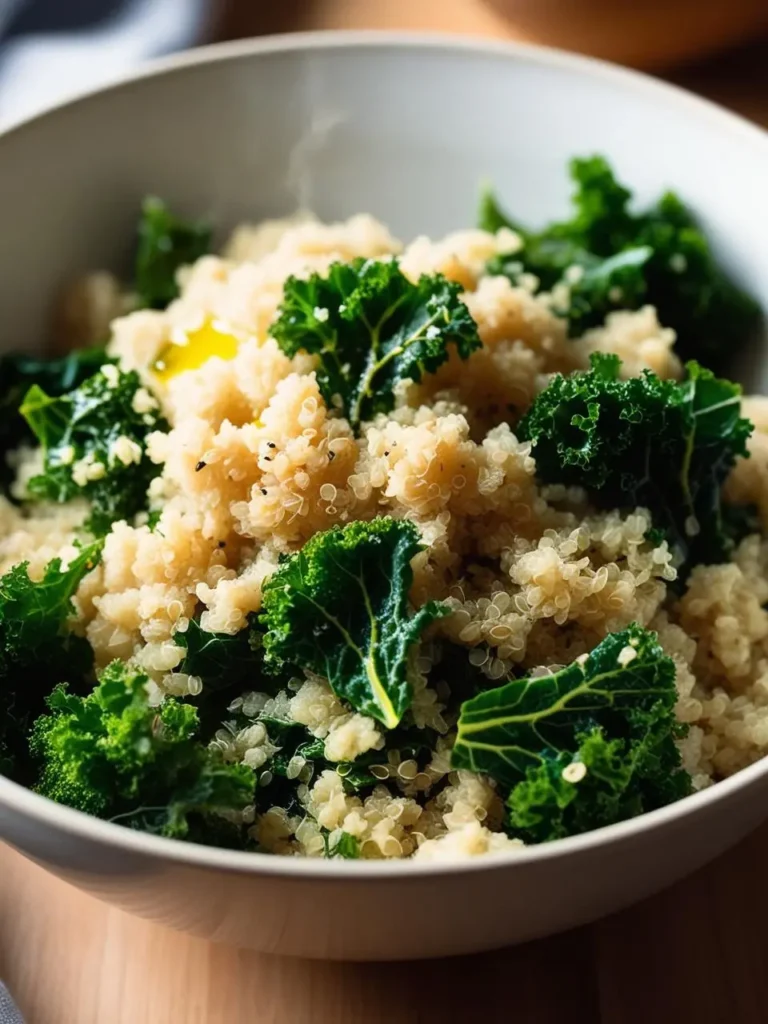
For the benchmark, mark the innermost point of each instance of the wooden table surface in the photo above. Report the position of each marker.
(695, 953)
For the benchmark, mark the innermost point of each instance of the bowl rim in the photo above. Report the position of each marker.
(77, 824)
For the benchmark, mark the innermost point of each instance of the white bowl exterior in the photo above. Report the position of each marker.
(400, 914)
(405, 131)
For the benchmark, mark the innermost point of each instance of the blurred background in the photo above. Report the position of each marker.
(51, 48)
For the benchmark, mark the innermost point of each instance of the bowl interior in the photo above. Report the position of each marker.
(403, 129)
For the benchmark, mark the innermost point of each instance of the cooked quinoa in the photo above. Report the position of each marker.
(247, 460)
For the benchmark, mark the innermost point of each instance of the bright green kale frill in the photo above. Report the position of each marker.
(165, 245)
(659, 444)
(55, 376)
(94, 446)
(609, 258)
(114, 755)
(620, 779)
(583, 747)
(371, 329)
(339, 607)
(37, 648)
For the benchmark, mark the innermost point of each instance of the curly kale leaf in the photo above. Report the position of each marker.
(17, 375)
(672, 266)
(372, 328)
(590, 744)
(645, 442)
(113, 755)
(339, 607)
(601, 222)
(94, 446)
(620, 779)
(37, 649)
(165, 244)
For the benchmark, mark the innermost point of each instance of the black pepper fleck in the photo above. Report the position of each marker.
(263, 490)
(271, 444)
(222, 543)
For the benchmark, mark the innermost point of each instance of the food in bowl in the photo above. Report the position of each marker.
(346, 549)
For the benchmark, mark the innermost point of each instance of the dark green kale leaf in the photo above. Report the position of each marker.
(223, 661)
(679, 276)
(712, 317)
(601, 221)
(17, 375)
(165, 244)
(585, 746)
(595, 286)
(227, 664)
(452, 669)
(84, 434)
(371, 328)
(621, 779)
(339, 607)
(601, 227)
(547, 259)
(37, 649)
(739, 521)
(113, 755)
(296, 749)
(294, 740)
(617, 282)
(356, 775)
(505, 731)
(647, 442)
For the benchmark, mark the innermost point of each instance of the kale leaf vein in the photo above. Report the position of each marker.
(339, 608)
(590, 744)
(371, 328)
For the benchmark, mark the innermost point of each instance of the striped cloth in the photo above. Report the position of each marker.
(52, 48)
(9, 1013)
(42, 61)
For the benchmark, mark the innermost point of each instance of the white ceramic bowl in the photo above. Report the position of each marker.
(404, 128)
